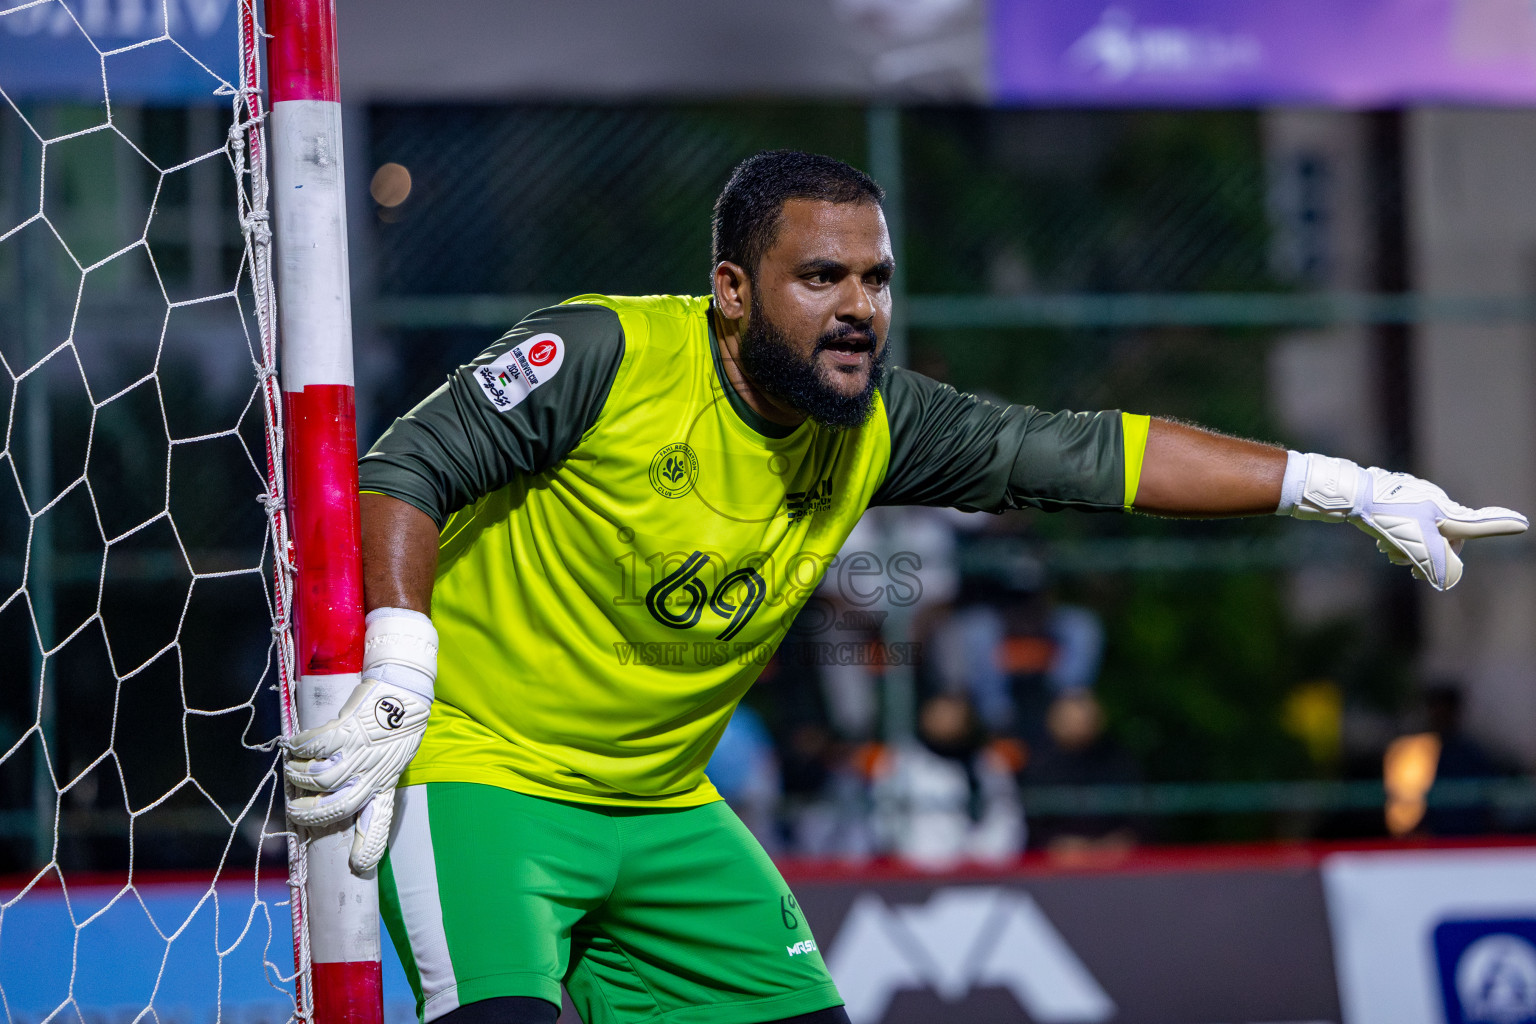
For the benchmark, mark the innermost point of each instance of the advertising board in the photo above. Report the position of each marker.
(1434, 936)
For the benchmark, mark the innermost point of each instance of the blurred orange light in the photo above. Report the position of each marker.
(391, 185)
(1408, 771)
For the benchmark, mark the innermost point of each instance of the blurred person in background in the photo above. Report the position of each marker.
(825, 807)
(895, 571)
(1010, 646)
(1077, 751)
(948, 796)
(992, 643)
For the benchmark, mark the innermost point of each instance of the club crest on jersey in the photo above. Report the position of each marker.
(513, 375)
(674, 469)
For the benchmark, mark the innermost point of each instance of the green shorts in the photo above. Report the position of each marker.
(673, 916)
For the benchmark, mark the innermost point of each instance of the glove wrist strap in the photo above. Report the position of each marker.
(1322, 487)
(1294, 483)
(400, 647)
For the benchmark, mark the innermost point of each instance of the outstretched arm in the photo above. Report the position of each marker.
(1187, 471)
(949, 448)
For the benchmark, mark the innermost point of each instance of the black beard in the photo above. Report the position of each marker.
(771, 363)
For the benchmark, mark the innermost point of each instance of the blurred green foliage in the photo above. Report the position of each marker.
(1077, 201)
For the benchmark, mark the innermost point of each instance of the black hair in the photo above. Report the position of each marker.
(747, 210)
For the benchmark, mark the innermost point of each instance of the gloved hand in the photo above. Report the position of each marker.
(354, 761)
(1413, 521)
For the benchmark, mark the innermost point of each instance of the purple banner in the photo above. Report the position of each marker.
(1345, 53)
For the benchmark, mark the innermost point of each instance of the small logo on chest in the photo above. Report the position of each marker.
(674, 470)
(800, 504)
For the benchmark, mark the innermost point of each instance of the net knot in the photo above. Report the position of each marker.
(257, 225)
(273, 503)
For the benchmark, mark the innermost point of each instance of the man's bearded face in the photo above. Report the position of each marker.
(772, 360)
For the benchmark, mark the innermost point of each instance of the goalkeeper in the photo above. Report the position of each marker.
(610, 516)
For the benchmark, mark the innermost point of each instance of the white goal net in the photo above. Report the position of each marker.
(144, 592)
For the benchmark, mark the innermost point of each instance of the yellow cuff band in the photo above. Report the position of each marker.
(1135, 429)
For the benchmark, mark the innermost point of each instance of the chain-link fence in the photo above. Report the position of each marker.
(560, 200)
(515, 200)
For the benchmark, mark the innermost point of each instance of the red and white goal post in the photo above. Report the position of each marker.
(337, 915)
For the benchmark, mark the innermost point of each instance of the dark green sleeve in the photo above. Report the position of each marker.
(485, 425)
(949, 448)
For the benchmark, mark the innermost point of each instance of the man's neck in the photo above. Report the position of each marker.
(729, 334)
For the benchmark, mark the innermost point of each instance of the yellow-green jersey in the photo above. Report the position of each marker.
(625, 542)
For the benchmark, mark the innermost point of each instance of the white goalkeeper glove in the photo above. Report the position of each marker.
(354, 761)
(1413, 521)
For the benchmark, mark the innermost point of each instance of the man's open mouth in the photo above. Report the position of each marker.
(854, 343)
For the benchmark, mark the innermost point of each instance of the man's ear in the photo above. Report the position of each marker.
(733, 290)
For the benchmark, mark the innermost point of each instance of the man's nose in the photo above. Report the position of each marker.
(857, 305)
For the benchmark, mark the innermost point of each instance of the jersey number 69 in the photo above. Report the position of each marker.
(686, 581)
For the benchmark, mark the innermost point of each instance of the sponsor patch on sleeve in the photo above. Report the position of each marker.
(513, 375)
